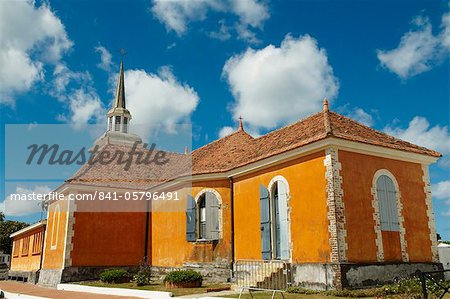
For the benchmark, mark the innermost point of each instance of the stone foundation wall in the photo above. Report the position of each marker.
(315, 276)
(355, 276)
(323, 276)
(73, 274)
(49, 278)
(28, 276)
(212, 272)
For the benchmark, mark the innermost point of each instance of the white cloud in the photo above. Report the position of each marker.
(85, 107)
(30, 37)
(177, 14)
(105, 59)
(441, 191)
(361, 116)
(277, 85)
(419, 49)
(223, 33)
(421, 133)
(158, 99)
(445, 34)
(250, 12)
(14, 207)
(75, 90)
(225, 131)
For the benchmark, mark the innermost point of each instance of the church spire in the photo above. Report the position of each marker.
(119, 116)
(119, 100)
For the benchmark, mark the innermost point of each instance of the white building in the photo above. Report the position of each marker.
(5, 259)
(444, 257)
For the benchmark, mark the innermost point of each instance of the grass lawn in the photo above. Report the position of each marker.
(153, 287)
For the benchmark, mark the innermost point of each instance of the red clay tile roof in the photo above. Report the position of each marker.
(138, 176)
(239, 149)
(345, 128)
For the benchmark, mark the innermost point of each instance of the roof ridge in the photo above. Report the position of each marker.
(289, 125)
(395, 139)
(223, 138)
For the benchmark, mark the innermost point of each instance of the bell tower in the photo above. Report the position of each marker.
(118, 116)
(118, 119)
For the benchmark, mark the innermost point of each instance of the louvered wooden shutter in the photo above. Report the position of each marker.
(387, 201)
(212, 216)
(283, 218)
(264, 207)
(190, 219)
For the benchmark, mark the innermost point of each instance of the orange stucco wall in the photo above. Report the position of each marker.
(169, 245)
(108, 232)
(30, 261)
(108, 238)
(56, 232)
(357, 173)
(308, 210)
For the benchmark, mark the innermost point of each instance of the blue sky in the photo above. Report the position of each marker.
(384, 63)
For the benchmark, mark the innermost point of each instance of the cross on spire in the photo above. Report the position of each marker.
(241, 124)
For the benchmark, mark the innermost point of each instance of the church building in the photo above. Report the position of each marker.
(323, 203)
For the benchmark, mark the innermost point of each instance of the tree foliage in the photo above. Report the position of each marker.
(7, 227)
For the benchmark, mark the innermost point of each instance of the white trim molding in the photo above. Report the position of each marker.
(70, 232)
(288, 197)
(329, 142)
(29, 228)
(335, 204)
(376, 216)
(430, 213)
(219, 198)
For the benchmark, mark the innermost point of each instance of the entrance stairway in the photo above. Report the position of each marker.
(262, 274)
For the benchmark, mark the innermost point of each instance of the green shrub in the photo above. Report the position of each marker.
(114, 276)
(180, 276)
(303, 291)
(144, 274)
(403, 289)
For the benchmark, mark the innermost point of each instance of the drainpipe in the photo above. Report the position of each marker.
(147, 222)
(232, 221)
(42, 248)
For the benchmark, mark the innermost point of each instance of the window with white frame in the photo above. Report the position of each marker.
(387, 203)
(203, 217)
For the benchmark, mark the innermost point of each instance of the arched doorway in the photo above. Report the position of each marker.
(275, 220)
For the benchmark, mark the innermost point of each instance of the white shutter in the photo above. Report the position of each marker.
(212, 217)
(387, 203)
(284, 224)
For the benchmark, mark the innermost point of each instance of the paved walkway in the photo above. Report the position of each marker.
(34, 290)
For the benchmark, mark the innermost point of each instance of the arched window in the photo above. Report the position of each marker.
(117, 124)
(125, 125)
(203, 217)
(387, 202)
(274, 219)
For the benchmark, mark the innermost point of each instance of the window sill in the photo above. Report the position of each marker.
(205, 241)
